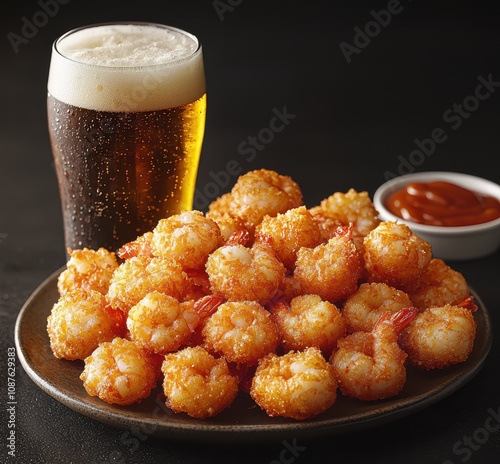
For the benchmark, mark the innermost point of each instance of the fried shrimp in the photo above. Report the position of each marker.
(120, 372)
(309, 321)
(288, 232)
(88, 269)
(79, 321)
(330, 270)
(160, 324)
(187, 238)
(140, 275)
(262, 192)
(370, 365)
(352, 207)
(241, 331)
(438, 285)
(239, 273)
(261, 295)
(364, 307)
(441, 336)
(395, 255)
(197, 383)
(298, 385)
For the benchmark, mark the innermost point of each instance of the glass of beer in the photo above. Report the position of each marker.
(126, 112)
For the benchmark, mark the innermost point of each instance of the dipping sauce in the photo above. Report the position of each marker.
(442, 203)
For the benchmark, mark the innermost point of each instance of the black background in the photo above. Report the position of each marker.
(353, 123)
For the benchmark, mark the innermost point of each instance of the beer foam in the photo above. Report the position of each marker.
(127, 67)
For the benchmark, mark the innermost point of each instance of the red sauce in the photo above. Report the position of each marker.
(442, 203)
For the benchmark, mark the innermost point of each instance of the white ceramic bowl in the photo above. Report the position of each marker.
(448, 243)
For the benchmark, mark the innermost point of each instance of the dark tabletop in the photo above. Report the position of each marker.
(359, 92)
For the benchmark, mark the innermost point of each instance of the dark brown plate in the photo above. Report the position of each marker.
(243, 421)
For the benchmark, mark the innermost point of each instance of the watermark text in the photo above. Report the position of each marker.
(31, 26)
(464, 448)
(454, 117)
(11, 403)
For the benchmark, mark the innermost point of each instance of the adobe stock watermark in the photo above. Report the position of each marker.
(454, 117)
(464, 448)
(290, 452)
(249, 149)
(130, 440)
(225, 6)
(32, 25)
(363, 36)
(11, 403)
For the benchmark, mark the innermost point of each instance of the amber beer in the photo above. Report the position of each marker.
(126, 109)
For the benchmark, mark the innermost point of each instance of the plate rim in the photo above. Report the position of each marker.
(206, 431)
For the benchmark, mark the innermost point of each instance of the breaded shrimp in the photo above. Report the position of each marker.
(441, 336)
(298, 385)
(79, 321)
(352, 207)
(258, 295)
(370, 365)
(159, 323)
(140, 275)
(239, 273)
(395, 255)
(363, 308)
(330, 270)
(120, 372)
(309, 321)
(188, 238)
(262, 192)
(241, 331)
(288, 232)
(88, 269)
(438, 285)
(197, 383)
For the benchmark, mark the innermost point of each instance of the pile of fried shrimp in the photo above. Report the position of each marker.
(262, 295)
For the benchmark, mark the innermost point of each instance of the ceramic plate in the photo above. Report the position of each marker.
(243, 421)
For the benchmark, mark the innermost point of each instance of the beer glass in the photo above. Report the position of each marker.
(126, 112)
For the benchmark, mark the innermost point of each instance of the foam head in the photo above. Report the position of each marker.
(127, 67)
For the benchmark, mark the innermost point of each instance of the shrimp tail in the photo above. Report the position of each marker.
(468, 303)
(207, 305)
(127, 251)
(403, 317)
(399, 320)
(240, 237)
(344, 230)
(140, 246)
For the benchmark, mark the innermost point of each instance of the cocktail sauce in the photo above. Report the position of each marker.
(441, 203)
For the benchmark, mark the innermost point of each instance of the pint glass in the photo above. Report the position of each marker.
(126, 112)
